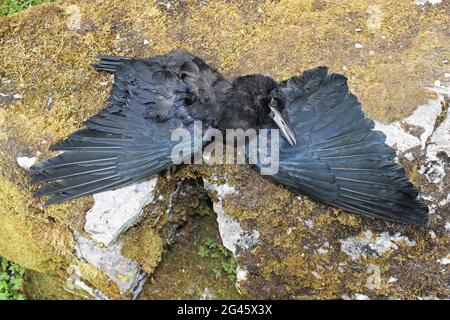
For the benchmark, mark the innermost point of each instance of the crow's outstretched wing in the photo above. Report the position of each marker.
(130, 138)
(338, 158)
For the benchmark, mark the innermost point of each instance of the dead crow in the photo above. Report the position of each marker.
(329, 151)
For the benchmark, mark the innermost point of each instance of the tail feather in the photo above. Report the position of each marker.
(108, 63)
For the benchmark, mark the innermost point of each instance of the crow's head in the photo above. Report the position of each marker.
(276, 106)
(252, 102)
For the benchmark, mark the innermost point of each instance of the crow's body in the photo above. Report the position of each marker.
(338, 159)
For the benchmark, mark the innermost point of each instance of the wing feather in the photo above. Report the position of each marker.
(338, 158)
(131, 137)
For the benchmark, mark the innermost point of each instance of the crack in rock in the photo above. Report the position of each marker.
(232, 234)
(75, 280)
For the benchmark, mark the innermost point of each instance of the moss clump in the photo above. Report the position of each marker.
(97, 278)
(27, 237)
(144, 245)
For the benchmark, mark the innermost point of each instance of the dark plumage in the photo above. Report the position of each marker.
(332, 154)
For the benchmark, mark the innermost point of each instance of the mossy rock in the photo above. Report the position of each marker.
(50, 90)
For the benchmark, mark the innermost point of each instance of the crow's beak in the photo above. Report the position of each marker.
(286, 132)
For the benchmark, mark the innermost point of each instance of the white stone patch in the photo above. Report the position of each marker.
(14, 96)
(424, 117)
(323, 250)
(74, 17)
(231, 232)
(127, 274)
(241, 274)
(445, 261)
(358, 45)
(49, 102)
(409, 156)
(26, 162)
(374, 279)
(369, 244)
(75, 280)
(375, 17)
(392, 280)
(221, 190)
(207, 295)
(443, 202)
(115, 211)
(434, 171)
(440, 140)
(432, 209)
(429, 297)
(360, 296)
(447, 226)
(424, 2)
(309, 223)
(396, 137)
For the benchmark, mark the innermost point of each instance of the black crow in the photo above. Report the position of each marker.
(329, 151)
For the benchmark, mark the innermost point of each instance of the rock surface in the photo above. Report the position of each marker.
(395, 55)
(115, 211)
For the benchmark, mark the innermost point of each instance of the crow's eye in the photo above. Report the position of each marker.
(189, 100)
(274, 103)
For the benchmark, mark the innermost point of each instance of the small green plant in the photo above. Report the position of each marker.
(8, 7)
(11, 280)
(226, 263)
